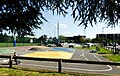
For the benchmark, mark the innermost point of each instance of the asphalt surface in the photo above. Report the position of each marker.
(73, 67)
(76, 67)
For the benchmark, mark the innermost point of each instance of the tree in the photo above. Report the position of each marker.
(50, 40)
(22, 16)
(62, 38)
(82, 40)
(87, 40)
(43, 39)
(90, 11)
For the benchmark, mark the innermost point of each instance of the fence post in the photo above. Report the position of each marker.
(118, 51)
(59, 65)
(10, 62)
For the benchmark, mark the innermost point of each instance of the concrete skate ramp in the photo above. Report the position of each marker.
(35, 49)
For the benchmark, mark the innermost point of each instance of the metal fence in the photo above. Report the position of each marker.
(56, 60)
(113, 49)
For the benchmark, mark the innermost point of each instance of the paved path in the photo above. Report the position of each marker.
(73, 67)
(86, 55)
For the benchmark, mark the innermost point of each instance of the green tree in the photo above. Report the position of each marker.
(62, 38)
(43, 39)
(50, 40)
(87, 40)
(8, 39)
(82, 40)
(23, 39)
(22, 16)
(97, 40)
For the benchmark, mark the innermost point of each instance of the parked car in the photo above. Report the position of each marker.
(93, 51)
(91, 44)
(72, 45)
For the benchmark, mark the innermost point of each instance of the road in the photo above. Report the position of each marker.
(76, 67)
(73, 67)
(87, 55)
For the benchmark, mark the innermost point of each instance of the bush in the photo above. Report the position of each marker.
(104, 51)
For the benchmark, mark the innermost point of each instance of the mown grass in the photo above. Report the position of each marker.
(35, 72)
(104, 51)
(113, 57)
(109, 55)
(17, 44)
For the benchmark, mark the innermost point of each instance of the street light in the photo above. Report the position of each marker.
(114, 44)
(58, 30)
(103, 29)
(14, 35)
(103, 35)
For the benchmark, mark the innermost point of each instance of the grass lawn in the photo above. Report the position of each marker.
(104, 51)
(17, 44)
(35, 72)
(113, 57)
(109, 55)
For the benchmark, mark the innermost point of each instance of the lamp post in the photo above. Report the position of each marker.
(114, 44)
(103, 32)
(104, 43)
(58, 29)
(103, 29)
(14, 35)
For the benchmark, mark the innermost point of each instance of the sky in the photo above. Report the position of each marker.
(67, 27)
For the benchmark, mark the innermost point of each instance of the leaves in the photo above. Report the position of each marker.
(25, 15)
(20, 16)
(90, 11)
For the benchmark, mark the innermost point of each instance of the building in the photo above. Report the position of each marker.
(109, 36)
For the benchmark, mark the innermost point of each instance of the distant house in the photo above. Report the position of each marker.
(77, 39)
(109, 36)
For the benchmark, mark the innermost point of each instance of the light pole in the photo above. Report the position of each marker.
(103, 29)
(14, 35)
(104, 43)
(54, 31)
(103, 32)
(58, 30)
(114, 44)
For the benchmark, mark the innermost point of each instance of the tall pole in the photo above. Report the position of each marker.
(114, 44)
(14, 43)
(58, 30)
(103, 34)
(54, 31)
(103, 29)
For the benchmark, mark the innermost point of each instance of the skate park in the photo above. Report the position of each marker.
(60, 53)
